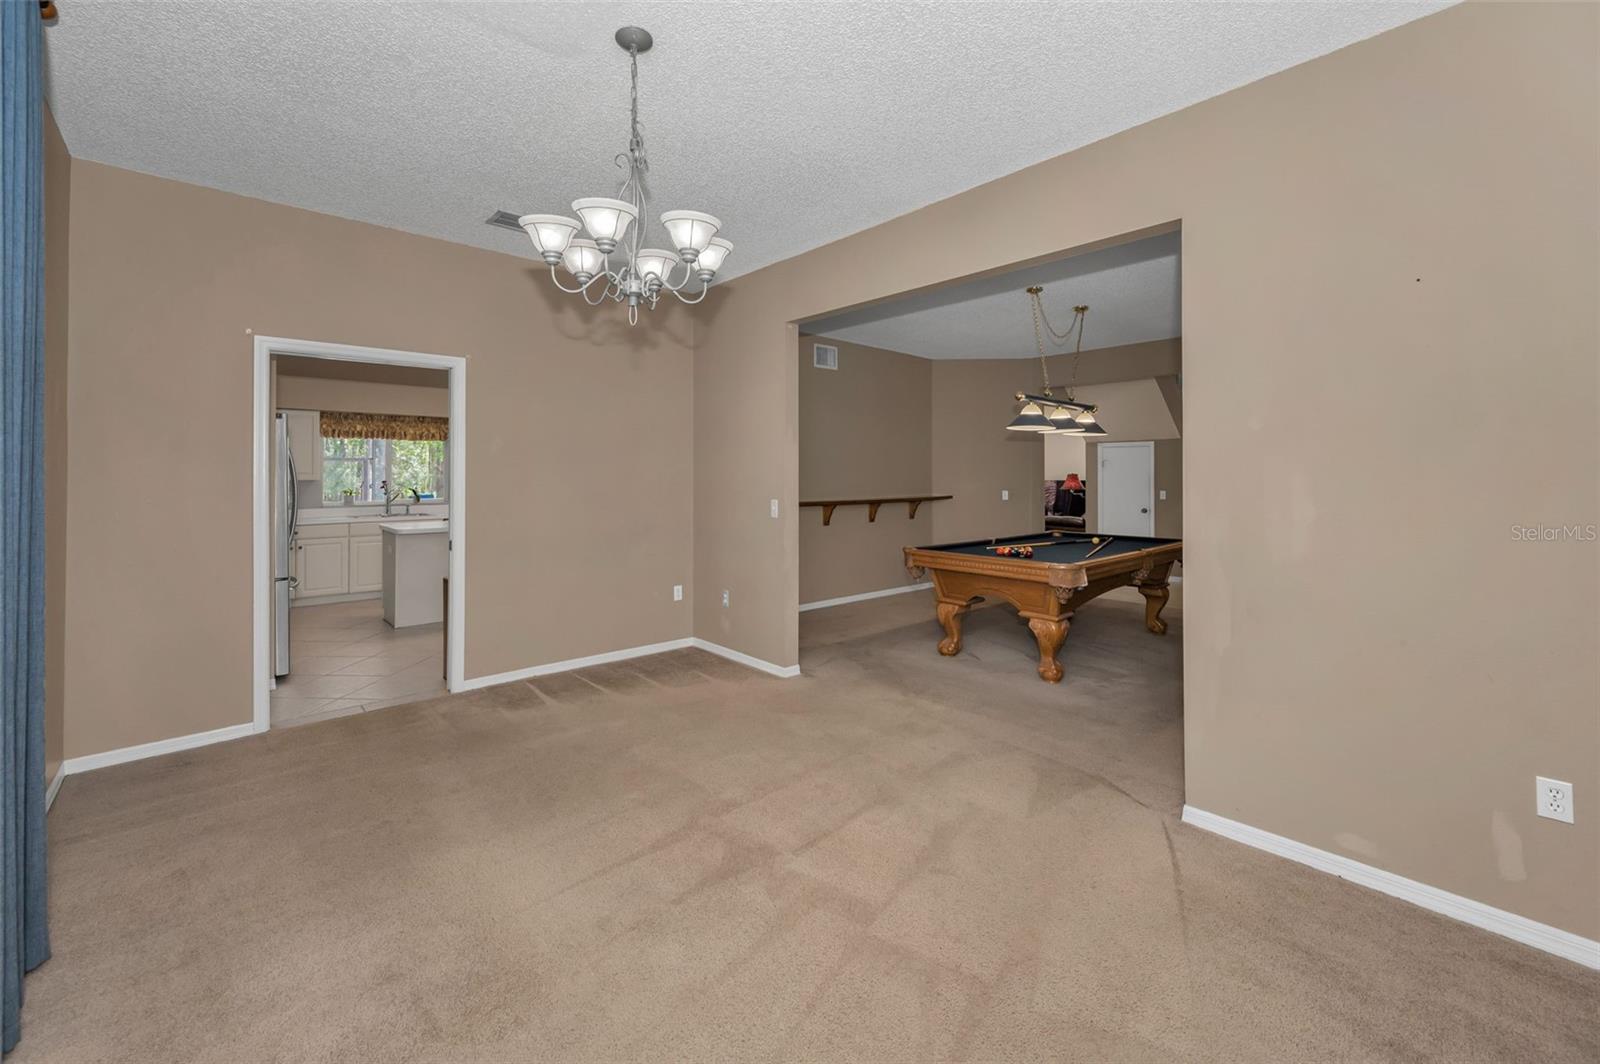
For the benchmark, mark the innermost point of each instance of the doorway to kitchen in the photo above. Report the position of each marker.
(359, 533)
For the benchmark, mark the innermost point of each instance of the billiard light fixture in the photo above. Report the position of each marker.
(1045, 413)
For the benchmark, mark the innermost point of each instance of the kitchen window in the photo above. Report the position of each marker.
(362, 465)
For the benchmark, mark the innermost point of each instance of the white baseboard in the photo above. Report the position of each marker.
(1518, 928)
(785, 672)
(623, 655)
(55, 786)
(823, 604)
(90, 762)
(576, 663)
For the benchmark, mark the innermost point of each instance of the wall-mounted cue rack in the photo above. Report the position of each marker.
(911, 501)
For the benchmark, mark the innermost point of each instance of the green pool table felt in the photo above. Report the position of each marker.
(1054, 553)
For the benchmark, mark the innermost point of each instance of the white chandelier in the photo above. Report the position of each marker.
(644, 273)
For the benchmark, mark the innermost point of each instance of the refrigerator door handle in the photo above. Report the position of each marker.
(294, 495)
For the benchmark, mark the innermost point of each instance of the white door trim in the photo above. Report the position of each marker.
(264, 348)
(1149, 448)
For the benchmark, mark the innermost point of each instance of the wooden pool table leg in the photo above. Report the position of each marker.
(1050, 635)
(950, 617)
(1155, 600)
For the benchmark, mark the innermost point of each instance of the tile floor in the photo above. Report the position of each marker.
(345, 659)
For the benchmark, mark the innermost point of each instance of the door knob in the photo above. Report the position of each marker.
(1144, 509)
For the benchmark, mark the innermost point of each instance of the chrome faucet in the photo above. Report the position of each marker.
(390, 496)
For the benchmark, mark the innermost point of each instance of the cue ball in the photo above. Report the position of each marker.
(1094, 539)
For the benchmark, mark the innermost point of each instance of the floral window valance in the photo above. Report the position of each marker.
(345, 425)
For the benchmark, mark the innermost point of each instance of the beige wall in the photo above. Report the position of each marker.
(364, 397)
(57, 227)
(975, 457)
(1372, 665)
(168, 280)
(1063, 454)
(864, 430)
(1132, 410)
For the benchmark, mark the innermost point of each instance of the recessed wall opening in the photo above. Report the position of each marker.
(359, 541)
(906, 441)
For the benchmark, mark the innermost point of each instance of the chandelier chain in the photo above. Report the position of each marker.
(1059, 337)
(1079, 315)
(1038, 338)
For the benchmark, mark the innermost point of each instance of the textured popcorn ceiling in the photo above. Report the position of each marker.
(796, 123)
(1132, 292)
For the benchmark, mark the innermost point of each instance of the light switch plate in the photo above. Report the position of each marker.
(677, 592)
(1005, 496)
(724, 598)
(1163, 494)
(774, 507)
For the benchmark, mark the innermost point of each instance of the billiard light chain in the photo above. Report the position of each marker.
(1065, 416)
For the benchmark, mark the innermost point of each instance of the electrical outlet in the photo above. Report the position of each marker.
(1554, 799)
(774, 507)
(677, 592)
(724, 598)
(1005, 496)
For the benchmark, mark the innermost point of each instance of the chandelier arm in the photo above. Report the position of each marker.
(557, 279)
(605, 290)
(574, 291)
(688, 275)
(685, 299)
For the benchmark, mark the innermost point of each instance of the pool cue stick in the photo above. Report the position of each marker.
(1040, 543)
(1102, 546)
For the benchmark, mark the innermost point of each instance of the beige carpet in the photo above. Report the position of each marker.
(894, 857)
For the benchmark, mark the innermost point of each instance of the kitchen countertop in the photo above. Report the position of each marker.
(416, 528)
(334, 517)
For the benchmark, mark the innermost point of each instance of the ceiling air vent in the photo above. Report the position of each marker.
(504, 220)
(824, 356)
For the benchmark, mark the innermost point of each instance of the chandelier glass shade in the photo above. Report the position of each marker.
(1044, 413)
(611, 262)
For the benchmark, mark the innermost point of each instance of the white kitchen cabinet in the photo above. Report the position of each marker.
(323, 567)
(305, 442)
(366, 563)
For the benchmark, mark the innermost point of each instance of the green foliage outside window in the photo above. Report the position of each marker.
(362, 466)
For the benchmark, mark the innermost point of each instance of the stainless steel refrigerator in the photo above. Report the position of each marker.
(285, 521)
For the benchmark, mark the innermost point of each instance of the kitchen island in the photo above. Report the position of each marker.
(416, 560)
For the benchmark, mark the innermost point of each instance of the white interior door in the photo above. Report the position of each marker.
(1126, 489)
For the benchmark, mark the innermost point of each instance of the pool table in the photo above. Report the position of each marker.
(1048, 587)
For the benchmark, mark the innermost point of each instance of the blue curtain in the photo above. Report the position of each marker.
(26, 942)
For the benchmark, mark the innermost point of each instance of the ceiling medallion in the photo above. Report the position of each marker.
(1045, 413)
(642, 274)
